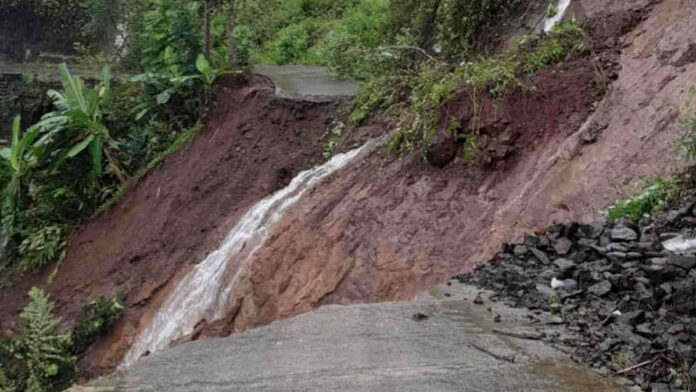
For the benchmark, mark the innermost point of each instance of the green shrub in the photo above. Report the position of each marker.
(96, 319)
(548, 52)
(656, 195)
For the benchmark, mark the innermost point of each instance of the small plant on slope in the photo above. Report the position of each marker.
(656, 195)
(689, 122)
(97, 318)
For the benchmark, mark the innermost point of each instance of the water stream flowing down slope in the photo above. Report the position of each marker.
(205, 292)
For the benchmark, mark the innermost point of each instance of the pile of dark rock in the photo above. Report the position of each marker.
(626, 294)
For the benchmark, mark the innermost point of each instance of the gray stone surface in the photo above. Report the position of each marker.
(370, 348)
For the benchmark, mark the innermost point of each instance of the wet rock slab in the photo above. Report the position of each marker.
(441, 341)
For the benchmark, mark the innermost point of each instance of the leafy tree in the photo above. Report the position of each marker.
(170, 38)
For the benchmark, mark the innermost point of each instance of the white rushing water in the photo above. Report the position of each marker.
(204, 293)
(561, 9)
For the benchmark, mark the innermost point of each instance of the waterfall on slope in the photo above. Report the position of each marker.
(204, 293)
(561, 9)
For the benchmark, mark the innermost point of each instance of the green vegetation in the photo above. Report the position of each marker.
(688, 141)
(656, 195)
(434, 82)
(618, 361)
(100, 134)
(42, 359)
(97, 319)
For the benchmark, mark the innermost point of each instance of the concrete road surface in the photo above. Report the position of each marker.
(378, 347)
(306, 81)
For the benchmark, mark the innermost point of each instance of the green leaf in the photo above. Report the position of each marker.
(141, 114)
(85, 121)
(168, 53)
(14, 152)
(79, 147)
(202, 65)
(164, 97)
(74, 90)
(5, 153)
(97, 155)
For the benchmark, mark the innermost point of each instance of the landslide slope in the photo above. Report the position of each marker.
(386, 228)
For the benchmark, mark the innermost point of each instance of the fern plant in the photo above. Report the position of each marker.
(44, 351)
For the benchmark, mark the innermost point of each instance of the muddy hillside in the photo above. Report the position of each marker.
(382, 227)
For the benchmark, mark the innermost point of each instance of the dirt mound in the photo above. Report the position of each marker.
(254, 144)
(388, 228)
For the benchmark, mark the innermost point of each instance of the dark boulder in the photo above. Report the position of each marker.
(562, 246)
(600, 289)
(685, 262)
(540, 255)
(684, 297)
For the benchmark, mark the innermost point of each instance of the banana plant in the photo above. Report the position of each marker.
(207, 76)
(79, 108)
(20, 158)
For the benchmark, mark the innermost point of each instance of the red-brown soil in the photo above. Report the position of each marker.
(385, 228)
